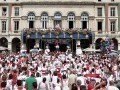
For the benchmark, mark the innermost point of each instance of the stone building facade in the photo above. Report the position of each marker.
(101, 17)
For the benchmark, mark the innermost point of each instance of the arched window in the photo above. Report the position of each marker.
(31, 19)
(84, 20)
(44, 19)
(71, 19)
(57, 20)
(84, 16)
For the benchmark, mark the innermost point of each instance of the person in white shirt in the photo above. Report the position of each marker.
(81, 78)
(112, 86)
(43, 85)
(38, 78)
(19, 86)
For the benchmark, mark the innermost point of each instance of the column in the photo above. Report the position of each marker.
(23, 41)
(37, 43)
(118, 16)
(87, 24)
(10, 46)
(106, 16)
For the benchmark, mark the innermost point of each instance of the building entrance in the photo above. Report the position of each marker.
(52, 43)
(85, 43)
(52, 47)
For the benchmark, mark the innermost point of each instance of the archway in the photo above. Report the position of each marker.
(85, 43)
(30, 44)
(115, 41)
(97, 43)
(3, 42)
(16, 45)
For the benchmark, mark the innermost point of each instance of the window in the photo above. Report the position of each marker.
(112, 11)
(58, 20)
(3, 26)
(4, 11)
(16, 25)
(99, 26)
(99, 11)
(31, 19)
(71, 19)
(16, 11)
(44, 19)
(112, 25)
(84, 19)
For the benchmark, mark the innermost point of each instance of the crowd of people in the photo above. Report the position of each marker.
(47, 70)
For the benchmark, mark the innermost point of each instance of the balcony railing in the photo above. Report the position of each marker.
(56, 30)
(16, 31)
(99, 31)
(74, 30)
(113, 32)
(3, 31)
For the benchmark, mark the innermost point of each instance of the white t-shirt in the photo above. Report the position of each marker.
(82, 79)
(15, 88)
(39, 80)
(9, 84)
(112, 88)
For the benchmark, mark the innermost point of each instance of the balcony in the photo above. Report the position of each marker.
(4, 31)
(99, 31)
(113, 32)
(16, 31)
(105, 33)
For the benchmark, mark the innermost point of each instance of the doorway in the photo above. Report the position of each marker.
(52, 47)
(30, 44)
(63, 47)
(84, 24)
(16, 45)
(85, 43)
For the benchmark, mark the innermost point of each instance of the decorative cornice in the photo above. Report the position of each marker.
(24, 17)
(91, 17)
(51, 3)
(59, 3)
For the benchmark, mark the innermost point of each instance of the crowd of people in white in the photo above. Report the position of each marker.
(47, 70)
